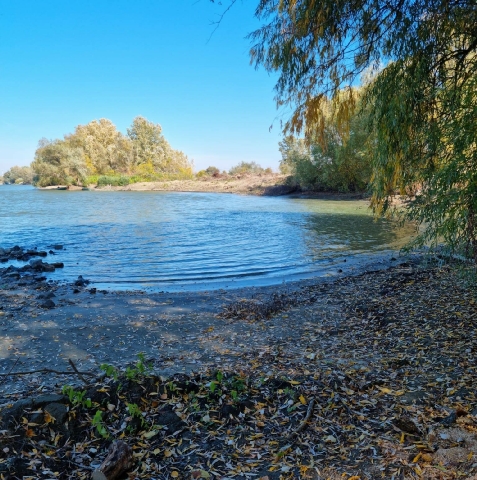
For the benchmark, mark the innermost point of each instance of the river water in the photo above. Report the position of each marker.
(192, 241)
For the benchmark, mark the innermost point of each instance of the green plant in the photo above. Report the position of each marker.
(141, 368)
(76, 397)
(109, 370)
(97, 422)
(136, 412)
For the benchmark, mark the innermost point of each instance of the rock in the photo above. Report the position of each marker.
(92, 290)
(81, 282)
(48, 304)
(58, 264)
(450, 419)
(3, 259)
(17, 410)
(58, 411)
(406, 425)
(37, 261)
(58, 247)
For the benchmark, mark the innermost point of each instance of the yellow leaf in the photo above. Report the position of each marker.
(417, 457)
(174, 474)
(48, 418)
(294, 382)
(150, 434)
(167, 453)
(385, 390)
(302, 399)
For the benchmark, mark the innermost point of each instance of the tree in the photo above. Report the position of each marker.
(342, 162)
(18, 175)
(98, 153)
(246, 167)
(423, 101)
(101, 144)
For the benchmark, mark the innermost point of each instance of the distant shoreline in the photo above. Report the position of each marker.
(259, 185)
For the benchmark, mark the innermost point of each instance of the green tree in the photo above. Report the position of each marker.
(101, 144)
(58, 163)
(246, 167)
(423, 103)
(18, 175)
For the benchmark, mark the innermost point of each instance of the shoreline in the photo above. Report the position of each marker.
(259, 185)
(390, 346)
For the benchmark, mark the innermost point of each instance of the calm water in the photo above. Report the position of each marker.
(174, 241)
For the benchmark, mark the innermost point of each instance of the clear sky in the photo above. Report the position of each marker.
(67, 62)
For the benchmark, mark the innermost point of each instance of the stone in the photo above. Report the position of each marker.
(58, 411)
(48, 304)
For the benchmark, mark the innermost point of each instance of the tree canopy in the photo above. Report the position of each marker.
(99, 153)
(422, 101)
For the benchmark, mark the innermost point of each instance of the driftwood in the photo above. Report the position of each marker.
(118, 461)
(304, 422)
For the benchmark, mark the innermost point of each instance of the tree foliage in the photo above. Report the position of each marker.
(422, 103)
(247, 167)
(341, 163)
(18, 175)
(99, 153)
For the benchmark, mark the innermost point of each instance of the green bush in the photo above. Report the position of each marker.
(113, 180)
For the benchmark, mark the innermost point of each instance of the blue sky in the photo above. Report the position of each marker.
(64, 63)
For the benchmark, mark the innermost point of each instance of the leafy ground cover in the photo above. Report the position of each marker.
(386, 389)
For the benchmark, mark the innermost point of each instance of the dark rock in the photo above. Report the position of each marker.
(42, 254)
(407, 425)
(17, 410)
(81, 282)
(58, 264)
(16, 248)
(169, 419)
(36, 262)
(92, 290)
(449, 420)
(76, 290)
(48, 304)
(58, 411)
(3, 259)
(58, 247)
(48, 268)
(39, 279)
